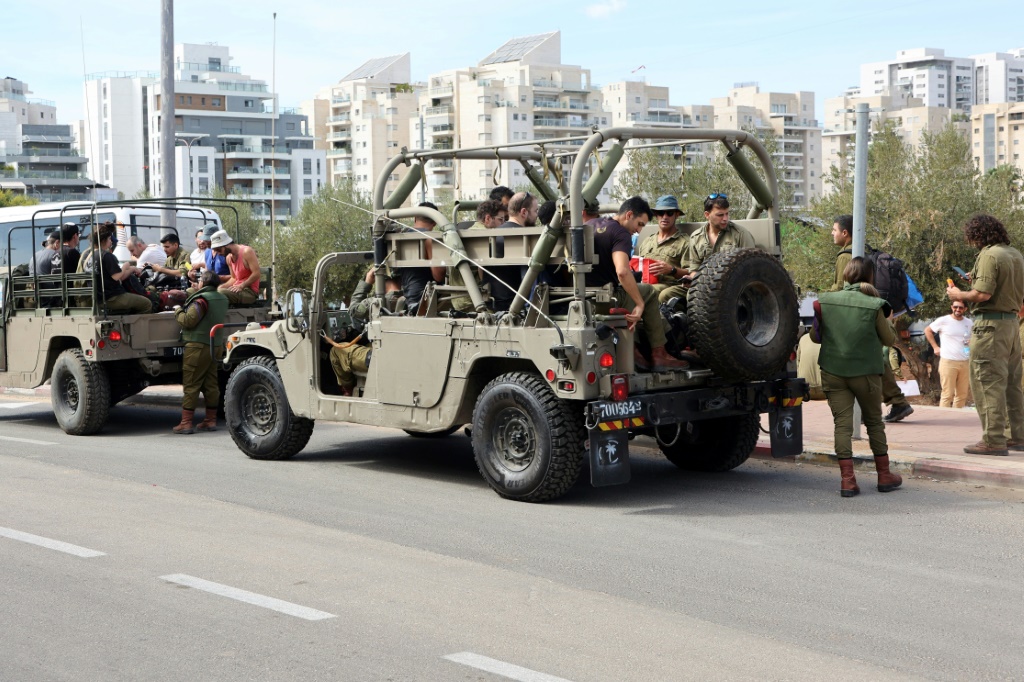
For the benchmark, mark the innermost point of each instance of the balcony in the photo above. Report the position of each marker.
(242, 172)
(442, 110)
(340, 135)
(342, 166)
(339, 151)
(239, 150)
(558, 123)
(199, 66)
(42, 174)
(442, 165)
(343, 118)
(549, 84)
(340, 100)
(443, 129)
(261, 193)
(442, 91)
(546, 104)
(243, 87)
(657, 118)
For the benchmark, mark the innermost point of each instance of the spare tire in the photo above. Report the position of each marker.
(744, 316)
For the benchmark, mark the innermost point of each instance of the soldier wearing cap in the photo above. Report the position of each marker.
(668, 250)
(718, 233)
(242, 287)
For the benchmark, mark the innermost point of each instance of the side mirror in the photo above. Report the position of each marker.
(295, 311)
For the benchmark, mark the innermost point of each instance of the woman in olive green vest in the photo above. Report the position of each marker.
(852, 327)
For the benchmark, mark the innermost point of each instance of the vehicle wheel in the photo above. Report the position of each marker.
(434, 434)
(528, 443)
(80, 393)
(258, 415)
(743, 314)
(710, 444)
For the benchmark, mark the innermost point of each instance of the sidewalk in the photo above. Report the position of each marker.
(928, 443)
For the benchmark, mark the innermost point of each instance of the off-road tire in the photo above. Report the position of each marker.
(528, 443)
(744, 316)
(434, 434)
(259, 417)
(80, 393)
(710, 444)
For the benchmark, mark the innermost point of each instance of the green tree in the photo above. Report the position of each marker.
(8, 198)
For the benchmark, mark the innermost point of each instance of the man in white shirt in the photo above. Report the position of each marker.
(952, 350)
(202, 244)
(143, 253)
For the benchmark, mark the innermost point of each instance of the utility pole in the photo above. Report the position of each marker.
(860, 207)
(273, 166)
(167, 185)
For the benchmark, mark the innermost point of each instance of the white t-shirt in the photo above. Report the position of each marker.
(154, 253)
(954, 335)
(198, 256)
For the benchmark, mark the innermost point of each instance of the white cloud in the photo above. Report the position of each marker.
(605, 9)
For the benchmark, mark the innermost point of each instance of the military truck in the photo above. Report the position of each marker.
(550, 384)
(56, 327)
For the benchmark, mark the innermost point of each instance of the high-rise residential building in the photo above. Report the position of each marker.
(911, 118)
(791, 117)
(39, 157)
(363, 120)
(997, 135)
(116, 123)
(924, 73)
(999, 77)
(522, 91)
(230, 133)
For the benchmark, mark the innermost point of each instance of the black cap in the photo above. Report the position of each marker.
(68, 230)
(169, 237)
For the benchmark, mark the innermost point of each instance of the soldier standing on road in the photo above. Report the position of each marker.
(203, 309)
(852, 328)
(718, 233)
(997, 281)
(667, 249)
(954, 372)
(892, 395)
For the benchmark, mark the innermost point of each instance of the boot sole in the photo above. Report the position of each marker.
(206, 430)
(849, 493)
(888, 488)
(183, 432)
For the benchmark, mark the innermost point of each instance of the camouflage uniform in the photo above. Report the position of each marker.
(675, 251)
(203, 309)
(732, 237)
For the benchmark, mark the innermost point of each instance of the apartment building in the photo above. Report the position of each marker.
(39, 157)
(923, 73)
(999, 77)
(519, 92)
(997, 135)
(115, 128)
(363, 120)
(790, 116)
(912, 119)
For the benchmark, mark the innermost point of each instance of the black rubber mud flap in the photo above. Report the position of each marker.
(609, 457)
(786, 426)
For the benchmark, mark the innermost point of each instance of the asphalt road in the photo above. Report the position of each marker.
(376, 556)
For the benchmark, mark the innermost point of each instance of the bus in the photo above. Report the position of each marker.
(141, 220)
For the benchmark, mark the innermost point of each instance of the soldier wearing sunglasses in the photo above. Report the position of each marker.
(718, 233)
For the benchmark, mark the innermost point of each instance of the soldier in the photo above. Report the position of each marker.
(667, 250)
(718, 233)
(892, 395)
(852, 329)
(415, 280)
(997, 281)
(176, 263)
(203, 309)
(489, 214)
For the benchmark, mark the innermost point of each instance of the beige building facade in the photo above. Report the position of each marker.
(997, 135)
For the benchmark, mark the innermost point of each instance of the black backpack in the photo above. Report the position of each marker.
(890, 277)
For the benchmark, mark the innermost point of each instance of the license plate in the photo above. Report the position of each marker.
(174, 352)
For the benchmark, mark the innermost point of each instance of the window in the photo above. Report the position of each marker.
(249, 103)
(215, 101)
(204, 164)
(189, 98)
(307, 166)
(193, 122)
(307, 187)
(364, 145)
(515, 117)
(290, 126)
(204, 184)
(637, 100)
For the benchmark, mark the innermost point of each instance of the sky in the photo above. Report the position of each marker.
(698, 50)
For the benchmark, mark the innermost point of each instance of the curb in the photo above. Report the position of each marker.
(912, 465)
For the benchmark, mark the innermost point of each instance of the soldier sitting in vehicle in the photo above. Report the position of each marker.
(347, 358)
(489, 214)
(718, 233)
(113, 275)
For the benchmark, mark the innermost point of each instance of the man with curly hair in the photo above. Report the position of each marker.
(996, 295)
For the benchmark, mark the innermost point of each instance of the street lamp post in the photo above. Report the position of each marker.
(189, 139)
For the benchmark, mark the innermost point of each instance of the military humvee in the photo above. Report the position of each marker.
(543, 392)
(56, 328)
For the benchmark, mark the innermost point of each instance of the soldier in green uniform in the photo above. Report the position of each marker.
(997, 281)
(203, 309)
(718, 233)
(892, 395)
(852, 328)
(668, 250)
(489, 214)
(346, 359)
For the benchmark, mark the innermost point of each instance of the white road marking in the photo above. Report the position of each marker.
(512, 672)
(27, 440)
(14, 406)
(65, 547)
(278, 605)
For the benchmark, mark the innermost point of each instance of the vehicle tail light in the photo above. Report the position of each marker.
(567, 386)
(792, 356)
(101, 344)
(620, 387)
(550, 375)
(115, 335)
(606, 360)
(591, 377)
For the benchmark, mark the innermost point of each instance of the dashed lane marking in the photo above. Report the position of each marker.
(27, 440)
(65, 547)
(491, 665)
(266, 602)
(14, 406)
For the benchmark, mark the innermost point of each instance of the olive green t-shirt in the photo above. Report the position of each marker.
(999, 271)
(732, 237)
(842, 260)
(673, 251)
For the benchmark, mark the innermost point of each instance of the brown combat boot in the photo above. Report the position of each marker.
(983, 448)
(186, 422)
(848, 486)
(661, 361)
(209, 422)
(887, 481)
